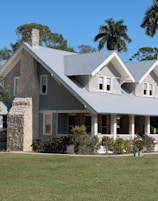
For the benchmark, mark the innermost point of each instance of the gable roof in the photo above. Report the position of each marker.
(54, 61)
(142, 68)
(91, 63)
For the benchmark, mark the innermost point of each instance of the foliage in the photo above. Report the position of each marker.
(150, 19)
(119, 146)
(5, 53)
(47, 38)
(38, 144)
(108, 142)
(114, 35)
(86, 49)
(83, 142)
(138, 144)
(145, 53)
(149, 143)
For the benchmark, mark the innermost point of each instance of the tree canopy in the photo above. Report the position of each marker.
(114, 34)
(86, 49)
(150, 20)
(145, 53)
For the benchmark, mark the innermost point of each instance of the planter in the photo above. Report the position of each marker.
(136, 154)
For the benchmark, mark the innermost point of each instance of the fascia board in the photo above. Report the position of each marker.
(110, 58)
(8, 66)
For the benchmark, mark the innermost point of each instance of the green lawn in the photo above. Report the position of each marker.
(31, 177)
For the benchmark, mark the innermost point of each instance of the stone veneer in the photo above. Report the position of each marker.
(17, 123)
(19, 131)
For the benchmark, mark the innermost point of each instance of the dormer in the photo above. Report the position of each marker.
(146, 76)
(98, 72)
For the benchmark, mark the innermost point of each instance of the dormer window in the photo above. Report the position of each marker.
(105, 83)
(101, 83)
(148, 89)
(108, 84)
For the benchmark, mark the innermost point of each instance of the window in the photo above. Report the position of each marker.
(101, 83)
(108, 84)
(43, 84)
(47, 124)
(148, 89)
(71, 123)
(16, 81)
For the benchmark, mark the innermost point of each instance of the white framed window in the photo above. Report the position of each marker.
(47, 124)
(148, 89)
(16, 81)
(108, 83)
(105, 83)
(101, 83)
(43, 84)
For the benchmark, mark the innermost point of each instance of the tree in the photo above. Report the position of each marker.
(86, 49)
(114, 34)
(47, 38)
(5, 53)
(145, 53)
(150, 21)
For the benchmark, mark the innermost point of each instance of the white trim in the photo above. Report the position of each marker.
(148, 89)
(41, 84)
(44, 123)
(65, 111)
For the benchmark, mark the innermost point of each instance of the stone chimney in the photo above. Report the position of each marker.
(35, 37)
(31, 37)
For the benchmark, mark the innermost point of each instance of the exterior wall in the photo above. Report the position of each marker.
(29, 86)
(109, 71)
(19, 129)
(9, 80)
(56, 94)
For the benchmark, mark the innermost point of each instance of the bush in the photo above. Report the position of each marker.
(149, 143)
(38, 145)
(108, 142)
(119, 146)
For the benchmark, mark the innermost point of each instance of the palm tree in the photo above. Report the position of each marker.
(150, 21)
(114, 35)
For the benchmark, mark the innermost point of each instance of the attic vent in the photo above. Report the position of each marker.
(31, 37)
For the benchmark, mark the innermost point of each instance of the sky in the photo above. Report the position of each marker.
(77, 20)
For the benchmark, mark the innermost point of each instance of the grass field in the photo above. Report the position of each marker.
(31, 177)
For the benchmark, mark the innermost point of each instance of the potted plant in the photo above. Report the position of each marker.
(138, 145)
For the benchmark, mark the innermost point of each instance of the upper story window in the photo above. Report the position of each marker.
(16, 81)
(108, 84)
(105, 83)
(148, 89)
(101, 83)
(43, 84)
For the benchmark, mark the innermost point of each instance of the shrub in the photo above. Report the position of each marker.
(108, 142)
(119, 146)
(38, 145)
(138, 144)
(149, 143)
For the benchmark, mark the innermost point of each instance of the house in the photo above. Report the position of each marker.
(52, 90)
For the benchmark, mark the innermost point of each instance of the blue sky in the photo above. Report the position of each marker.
(77, 20)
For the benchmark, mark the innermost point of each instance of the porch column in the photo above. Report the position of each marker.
(132, 126)
(147, 125)
(114, 125)
(94, 125)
